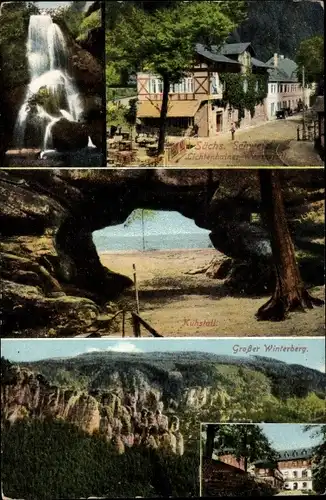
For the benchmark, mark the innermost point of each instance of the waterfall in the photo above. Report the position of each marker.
(47, 56)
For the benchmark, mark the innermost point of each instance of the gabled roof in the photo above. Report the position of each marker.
(295, 454)
(278, 75)
(232, 49)
(220, 54)
(260, 64)
(286, 66)
(214, 56)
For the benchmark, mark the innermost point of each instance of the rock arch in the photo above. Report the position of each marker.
(47, 218)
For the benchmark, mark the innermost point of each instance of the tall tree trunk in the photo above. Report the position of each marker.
(290, 293)
(210, 436)
(163, 116)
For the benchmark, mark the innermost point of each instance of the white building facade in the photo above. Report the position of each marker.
(295, 466)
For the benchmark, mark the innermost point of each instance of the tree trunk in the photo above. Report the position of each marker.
(163, 116)
(210, 436)
(290, 293)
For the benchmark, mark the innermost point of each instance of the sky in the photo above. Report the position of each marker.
(289, 436)
(311, 354)
(163, 222)
(284, 437)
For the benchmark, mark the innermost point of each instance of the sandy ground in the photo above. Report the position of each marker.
(178, 304)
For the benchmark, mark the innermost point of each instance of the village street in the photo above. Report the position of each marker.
(272, 143)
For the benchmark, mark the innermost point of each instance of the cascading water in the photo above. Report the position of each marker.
(47, 56)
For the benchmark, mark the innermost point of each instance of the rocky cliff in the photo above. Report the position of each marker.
(52, 280)
(124, 418)
(85, 66)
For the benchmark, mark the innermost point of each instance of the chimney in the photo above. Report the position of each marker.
(275, 60)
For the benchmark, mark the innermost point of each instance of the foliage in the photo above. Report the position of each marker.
(70, 380)
(131, 114)
(116, 114)
(319, 463)
(247, 442)
(138, 215)
(13, 37)
(310, 55)
(235, 96)
(164, 42)
(65, 462)
(279, 26)
(89, 23)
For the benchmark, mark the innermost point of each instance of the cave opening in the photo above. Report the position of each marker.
(169, 253)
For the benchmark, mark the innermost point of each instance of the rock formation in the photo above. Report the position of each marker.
(52, 280)
(85, 66)
(25, 394)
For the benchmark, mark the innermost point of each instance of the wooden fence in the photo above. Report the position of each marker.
(136, 320)
(175, 149)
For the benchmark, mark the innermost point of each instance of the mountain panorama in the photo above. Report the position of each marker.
(100, 414)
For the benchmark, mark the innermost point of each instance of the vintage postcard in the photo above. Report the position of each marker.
(265, 459)
(162, 249)
(121, 418)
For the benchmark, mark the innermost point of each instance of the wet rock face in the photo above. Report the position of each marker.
(123, 420)
(69, 136)
(85, 67)
(54, 282)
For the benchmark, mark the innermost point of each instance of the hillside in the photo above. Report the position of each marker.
(116, 415)
(274, 26)
(97, 366)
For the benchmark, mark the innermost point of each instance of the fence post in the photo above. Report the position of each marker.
(136, 287)
(136, 325)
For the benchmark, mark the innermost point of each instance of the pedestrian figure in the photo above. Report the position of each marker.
(232, 130)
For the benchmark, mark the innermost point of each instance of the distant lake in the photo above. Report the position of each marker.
(105, 242)
(164, 231)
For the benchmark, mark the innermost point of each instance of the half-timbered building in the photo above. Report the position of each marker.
(196, 103)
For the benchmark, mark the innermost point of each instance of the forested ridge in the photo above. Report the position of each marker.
(196, 368)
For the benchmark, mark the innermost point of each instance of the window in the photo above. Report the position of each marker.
(215, 83)
(294, 473)
(304, 486)
(281, 88)
(304, 473)
(185, 86)
(189, 85)
(155, 85)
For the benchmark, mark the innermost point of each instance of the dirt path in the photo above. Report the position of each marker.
(179, 304)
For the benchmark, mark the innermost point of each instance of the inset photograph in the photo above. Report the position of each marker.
(162, 252)
(121, 418)
(53, 88)
(213, 84)
(243, 460)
